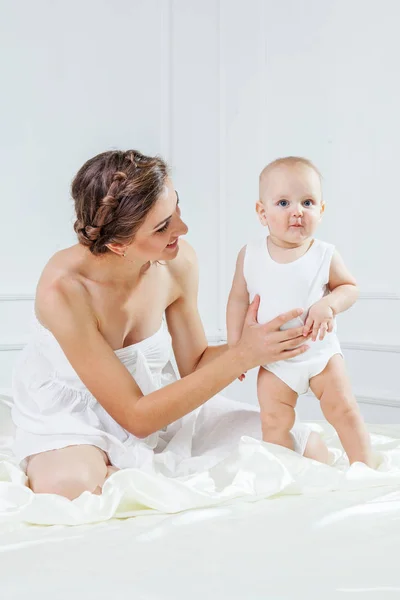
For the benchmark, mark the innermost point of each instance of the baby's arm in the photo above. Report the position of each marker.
(238, 303)
(344, 293)
(343, 286)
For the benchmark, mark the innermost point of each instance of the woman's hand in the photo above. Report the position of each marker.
(264, 344)
(320, 319)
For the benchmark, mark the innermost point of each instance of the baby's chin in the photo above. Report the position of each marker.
(293, 235)
(298, 236)
(300, 233)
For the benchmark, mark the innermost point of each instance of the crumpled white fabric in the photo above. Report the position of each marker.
(249, 471)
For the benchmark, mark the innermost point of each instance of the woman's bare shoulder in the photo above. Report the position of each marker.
(62, 264)
(185, 261)
(184, 271)
(61, 289)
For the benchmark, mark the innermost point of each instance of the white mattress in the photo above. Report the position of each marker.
(329, 532)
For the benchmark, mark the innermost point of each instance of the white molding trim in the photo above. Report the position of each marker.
(17, 297)
(379, 400)
(166, 82)
(370, 347)
(216, 338)
(221, 263)
(383, 399)
(12, 346)
(379, 296)
(6, 397)
(220, 338)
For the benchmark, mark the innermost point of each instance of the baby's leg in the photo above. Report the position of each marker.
(340, 408)
(316, 448)
(277, 403)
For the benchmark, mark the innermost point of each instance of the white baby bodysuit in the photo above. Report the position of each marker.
(282, 287)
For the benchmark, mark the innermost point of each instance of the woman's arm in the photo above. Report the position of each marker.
(238, 303)
(189, 341)
(68, 315)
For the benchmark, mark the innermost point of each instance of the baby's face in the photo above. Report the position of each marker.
(291, 203)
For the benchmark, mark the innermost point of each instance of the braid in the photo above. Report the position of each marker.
(106, 211)
(110, 202)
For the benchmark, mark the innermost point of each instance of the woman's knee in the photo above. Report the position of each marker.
(67, 483)
(70, 479)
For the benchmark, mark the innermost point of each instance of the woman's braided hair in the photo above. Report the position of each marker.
(113, 193)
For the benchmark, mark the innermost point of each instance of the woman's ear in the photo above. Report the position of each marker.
(117, 248)
(262, 215)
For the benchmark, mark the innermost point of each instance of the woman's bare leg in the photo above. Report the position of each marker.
(68, 472)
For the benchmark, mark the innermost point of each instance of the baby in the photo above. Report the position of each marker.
(289, 269)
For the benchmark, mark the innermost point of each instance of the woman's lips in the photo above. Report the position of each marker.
(173, 245)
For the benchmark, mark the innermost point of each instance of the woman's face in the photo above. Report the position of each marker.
(158, 237)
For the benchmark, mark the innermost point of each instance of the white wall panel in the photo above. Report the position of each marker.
(219, 88)
(195, 156)
(78, 78)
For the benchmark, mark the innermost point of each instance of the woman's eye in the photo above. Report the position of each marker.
(283, 203)
(163, 228)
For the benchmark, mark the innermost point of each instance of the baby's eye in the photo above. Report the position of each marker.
(308, 203)
(283, 203)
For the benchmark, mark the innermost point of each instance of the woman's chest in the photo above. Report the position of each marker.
(128, 318)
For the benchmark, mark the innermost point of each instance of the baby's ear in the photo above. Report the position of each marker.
(260, 210)
(322, 209)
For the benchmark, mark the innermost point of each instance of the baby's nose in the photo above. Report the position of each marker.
(298, 211)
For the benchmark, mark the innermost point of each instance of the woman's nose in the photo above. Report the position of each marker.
(184, 228)
(180, 227)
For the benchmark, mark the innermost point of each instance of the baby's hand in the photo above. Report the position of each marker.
(320, 319)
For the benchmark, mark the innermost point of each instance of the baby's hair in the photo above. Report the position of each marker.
(289, 161)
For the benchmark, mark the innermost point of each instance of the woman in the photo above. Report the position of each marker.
(95, 388)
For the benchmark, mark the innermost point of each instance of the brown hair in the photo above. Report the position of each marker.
(113, 193)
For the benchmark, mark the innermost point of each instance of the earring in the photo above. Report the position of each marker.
(123, 254)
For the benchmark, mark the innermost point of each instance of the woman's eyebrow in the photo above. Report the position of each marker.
(164, 221)
(170, 216)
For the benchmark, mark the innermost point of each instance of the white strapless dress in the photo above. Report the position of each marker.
(212, 457)
(53, 409)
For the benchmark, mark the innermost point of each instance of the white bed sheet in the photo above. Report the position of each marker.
(328, 533)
